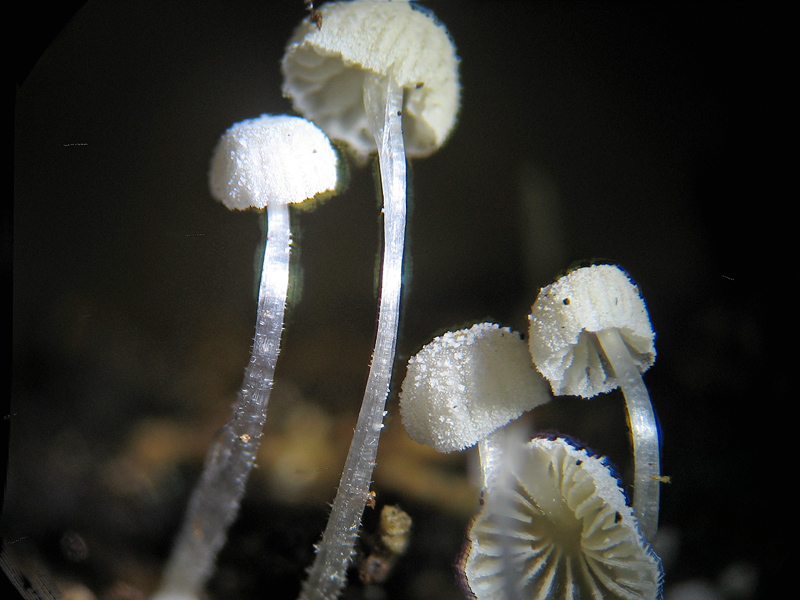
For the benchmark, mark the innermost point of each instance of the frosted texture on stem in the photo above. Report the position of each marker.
(644, 431)
(215, 501)
(383, 100)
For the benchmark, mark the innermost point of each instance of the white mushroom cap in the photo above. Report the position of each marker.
(567, 313)
(465, 384)
(561, 529)
(324, 70)
(272, 159)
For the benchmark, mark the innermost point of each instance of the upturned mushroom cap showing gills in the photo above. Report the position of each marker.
(324, 70)
(561, 531)
(465, 384)
(272, 159)
(568, 312)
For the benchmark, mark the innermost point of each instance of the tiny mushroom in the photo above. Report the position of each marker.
(378, 75)
(590, 333)
(559, 529)
(367, 47)
(465, 384)
(266, 162)
(466, 387)
(272, 160)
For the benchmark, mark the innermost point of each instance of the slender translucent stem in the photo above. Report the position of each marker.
(500, 451)
(644, 431)
(500, 456)
(490, 454)
(383, 101)
(215, 500)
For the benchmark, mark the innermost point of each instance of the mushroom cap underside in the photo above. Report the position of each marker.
(324, 70)
(561, 530)
(567, 315)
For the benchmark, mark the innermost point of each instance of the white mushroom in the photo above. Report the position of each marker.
(589, 333)
(272, 161)
(465, 384)
(360, 46)
(559, 529)
(269, 161)
(379, 75)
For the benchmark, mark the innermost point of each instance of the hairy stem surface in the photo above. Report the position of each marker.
(215, 500)
(383, 100)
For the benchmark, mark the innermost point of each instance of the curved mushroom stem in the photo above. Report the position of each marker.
(215, 500)
(644, 430)
(383, 100)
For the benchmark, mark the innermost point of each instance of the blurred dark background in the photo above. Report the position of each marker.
(626, 132)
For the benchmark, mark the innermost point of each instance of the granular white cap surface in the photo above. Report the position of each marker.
(324, 70)
(272, 159)
(465, 384)
(567, 313)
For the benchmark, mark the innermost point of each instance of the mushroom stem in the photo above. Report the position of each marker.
(644, 430)
(490, 455)
(495, 470)
(383, 100)
(500, 454)
(215, 500)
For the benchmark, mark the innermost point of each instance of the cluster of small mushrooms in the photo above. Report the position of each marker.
(554, 522)
(382, 76)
